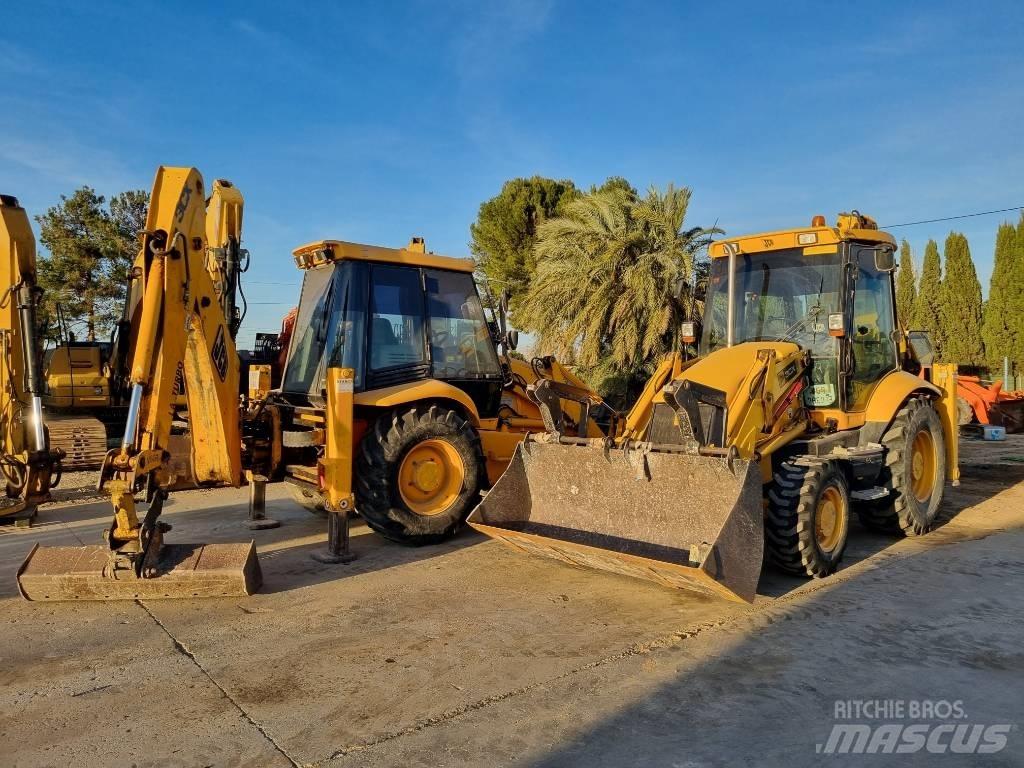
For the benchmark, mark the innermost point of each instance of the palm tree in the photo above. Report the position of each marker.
(616, 277)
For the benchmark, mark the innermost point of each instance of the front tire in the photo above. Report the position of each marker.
(914, 473)
(418, 472)
(808, 517)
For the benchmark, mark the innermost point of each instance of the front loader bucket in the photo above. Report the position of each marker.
(184, 570)
(680, 520)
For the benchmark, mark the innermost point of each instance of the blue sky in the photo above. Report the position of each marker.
(375, 123)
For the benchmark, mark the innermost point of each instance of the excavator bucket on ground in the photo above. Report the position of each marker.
(682, 520)
(183, 570)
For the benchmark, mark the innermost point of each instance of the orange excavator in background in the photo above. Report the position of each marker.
(989, 404)
(977, 401)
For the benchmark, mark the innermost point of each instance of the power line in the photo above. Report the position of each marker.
(951, 218)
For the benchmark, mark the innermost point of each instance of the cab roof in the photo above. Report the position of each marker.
(816, 238)
(415, 254)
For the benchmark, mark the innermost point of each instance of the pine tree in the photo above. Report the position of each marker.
(906, 288)
(91, 247)
(960, 307)
(1004, 319)
(505, 230)
(926, 307)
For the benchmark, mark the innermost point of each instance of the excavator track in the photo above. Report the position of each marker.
(83, 440)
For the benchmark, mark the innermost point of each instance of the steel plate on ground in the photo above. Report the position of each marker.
(184, 570)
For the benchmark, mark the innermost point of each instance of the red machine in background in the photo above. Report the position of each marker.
(978, 400)
(989, 404)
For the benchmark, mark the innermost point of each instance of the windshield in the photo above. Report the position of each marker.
(460, 341)
(329, 327)
(780, 296)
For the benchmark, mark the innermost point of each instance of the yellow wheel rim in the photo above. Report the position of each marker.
(430, 477)
(829, 518)
(924, 464)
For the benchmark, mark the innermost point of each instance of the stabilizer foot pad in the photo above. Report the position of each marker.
(185, 570)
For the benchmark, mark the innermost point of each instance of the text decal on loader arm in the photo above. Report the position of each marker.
(219, 354)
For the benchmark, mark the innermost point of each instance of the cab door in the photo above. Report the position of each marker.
(872, 342)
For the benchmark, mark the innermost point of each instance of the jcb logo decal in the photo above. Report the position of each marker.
(179, 379)
(768, 242)
(219, 354)
(186, 196)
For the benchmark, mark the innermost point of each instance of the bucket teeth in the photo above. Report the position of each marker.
(183, 570)
(685, 521)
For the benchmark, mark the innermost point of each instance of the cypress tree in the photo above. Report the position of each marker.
(960, 307)
(1016, 309)
(906, 288)
(926, 307)
(1002, 328)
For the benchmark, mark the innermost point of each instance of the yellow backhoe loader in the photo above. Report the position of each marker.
(30, 467)
(396, 403)
(803, 404)
(86, 394)
(437, 408)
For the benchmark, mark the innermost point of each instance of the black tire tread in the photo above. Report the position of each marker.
(895, 515)
(377, 459)
(789, 521)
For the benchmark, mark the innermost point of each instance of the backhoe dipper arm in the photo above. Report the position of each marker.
(28, 463)
(224, 241)
(176, 329)
(182, 330)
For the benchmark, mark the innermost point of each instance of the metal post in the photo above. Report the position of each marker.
(258, 519)
(730, 320)
(337, 540)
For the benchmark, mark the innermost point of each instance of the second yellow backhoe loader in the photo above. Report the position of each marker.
(803, 405)
(437, 407)
(395, 403)
(28, 464)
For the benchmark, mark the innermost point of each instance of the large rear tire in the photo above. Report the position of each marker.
(914, 472)
(808, 517)
(418, 473)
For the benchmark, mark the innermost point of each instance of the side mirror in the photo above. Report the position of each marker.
(885, 260)
(512, 339)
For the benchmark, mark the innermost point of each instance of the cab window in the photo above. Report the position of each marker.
(871, 338)
(460, 341)
(396, 327)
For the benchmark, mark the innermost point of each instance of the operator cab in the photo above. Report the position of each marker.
(825, 289)
(394, 316)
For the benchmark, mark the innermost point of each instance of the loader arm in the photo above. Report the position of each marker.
(180, 331)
